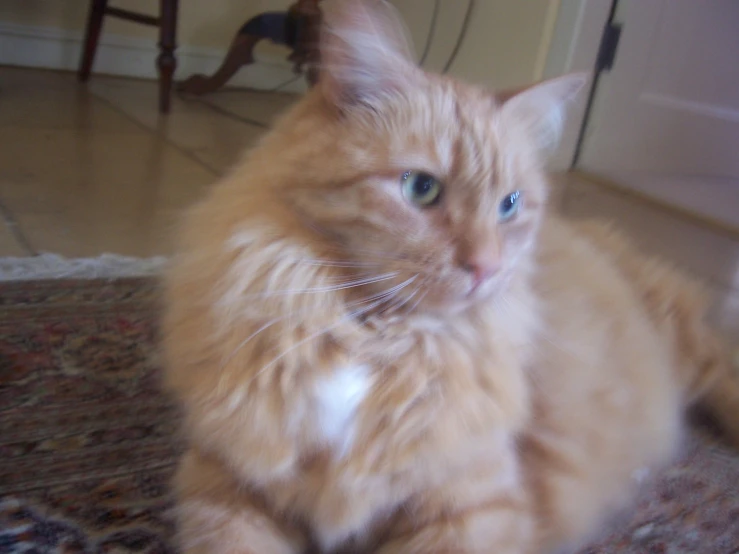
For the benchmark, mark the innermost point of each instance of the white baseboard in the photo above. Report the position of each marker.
(52, 48)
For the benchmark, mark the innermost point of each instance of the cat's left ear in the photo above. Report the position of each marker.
(365, 53)
(540, 109)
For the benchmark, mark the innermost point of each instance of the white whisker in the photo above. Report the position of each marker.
(370, 253)
(250, 337)
(314, 336)
(333, 263)
(326, 288)
(405, 301)
(418, 300)
(341, 320)
(382, 296)
(394, 290)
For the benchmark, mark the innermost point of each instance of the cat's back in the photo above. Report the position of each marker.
(606, 404)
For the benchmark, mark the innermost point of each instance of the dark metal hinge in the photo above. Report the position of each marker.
(608, 46)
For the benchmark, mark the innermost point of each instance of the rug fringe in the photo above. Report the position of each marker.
(53, 266)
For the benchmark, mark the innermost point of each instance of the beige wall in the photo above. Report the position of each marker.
(204, 23)
(506, 41)
(506, 44)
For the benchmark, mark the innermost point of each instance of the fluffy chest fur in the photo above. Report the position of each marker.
(421, 381)
(434, 400)
(337, 398)
(340, 420)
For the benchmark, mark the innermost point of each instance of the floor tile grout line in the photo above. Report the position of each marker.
(16, 231)
(184, 151)
(225, 113)
(671, 210)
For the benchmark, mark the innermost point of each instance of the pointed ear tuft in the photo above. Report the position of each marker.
(365, 53)
(540, 109)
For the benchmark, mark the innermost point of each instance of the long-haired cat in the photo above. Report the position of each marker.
(383, 345)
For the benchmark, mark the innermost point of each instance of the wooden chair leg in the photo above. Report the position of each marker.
(166, 62)
(92, 35)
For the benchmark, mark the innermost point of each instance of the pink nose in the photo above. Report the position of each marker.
(481, 267)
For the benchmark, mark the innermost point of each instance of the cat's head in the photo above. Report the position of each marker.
(415, 175)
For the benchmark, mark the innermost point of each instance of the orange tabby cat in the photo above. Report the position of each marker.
(383, 344)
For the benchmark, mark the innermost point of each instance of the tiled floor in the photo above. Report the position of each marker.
(88, 170)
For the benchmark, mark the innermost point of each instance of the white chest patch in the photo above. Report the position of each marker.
(338, 397)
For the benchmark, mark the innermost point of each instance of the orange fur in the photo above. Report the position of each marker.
(348, 389)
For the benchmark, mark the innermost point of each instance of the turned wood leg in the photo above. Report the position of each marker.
(166, 62)
(92, 35)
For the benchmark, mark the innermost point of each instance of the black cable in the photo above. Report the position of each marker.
(432, 32)
(282, 85)
(462, 35)
(591, 98)
(232, 115)
(222, 111)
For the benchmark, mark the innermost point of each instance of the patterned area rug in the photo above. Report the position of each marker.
(87, 439)
(86, 436)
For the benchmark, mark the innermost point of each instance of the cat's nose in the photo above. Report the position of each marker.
(482, 266)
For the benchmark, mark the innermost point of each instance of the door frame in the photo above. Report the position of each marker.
(574, 46)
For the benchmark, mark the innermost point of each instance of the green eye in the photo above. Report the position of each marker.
(421, 189)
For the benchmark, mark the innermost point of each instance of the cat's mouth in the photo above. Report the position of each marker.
(440, 290)
(458, 294)
(481, 291)
(475, 288)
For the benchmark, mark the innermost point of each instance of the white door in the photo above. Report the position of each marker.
(665, 119)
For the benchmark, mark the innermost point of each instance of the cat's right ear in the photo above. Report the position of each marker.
(540, 109)
(365, 53)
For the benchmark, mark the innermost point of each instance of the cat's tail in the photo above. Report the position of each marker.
(678, 307)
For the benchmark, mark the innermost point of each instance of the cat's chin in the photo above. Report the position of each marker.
(458, 304)
(478, 296)
(452, 308)
(449, 299)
